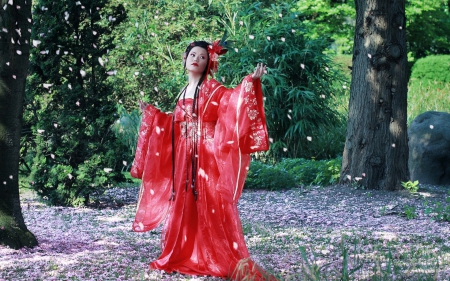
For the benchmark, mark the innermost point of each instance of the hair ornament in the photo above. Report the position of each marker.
(215, 50)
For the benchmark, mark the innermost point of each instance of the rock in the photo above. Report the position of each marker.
(429, 148)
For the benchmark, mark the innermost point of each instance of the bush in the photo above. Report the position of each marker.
(301, 83)
(313, 172)
(126, 129)
(293, 172)
(264, 176)
(70, 106)
(432, 68)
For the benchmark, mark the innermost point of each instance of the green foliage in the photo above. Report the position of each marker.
(440, 211)
(148, 55)
(264, 176)
(412, 187)
(410, 212)
(427, 96)
(432, 68)
(428, 28)
(313, 172)
(289, 173)
(335, 19)
(429, 86)
(70, 105)
(126, 129)
(301, 83)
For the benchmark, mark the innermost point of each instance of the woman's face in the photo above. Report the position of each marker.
(197, 60)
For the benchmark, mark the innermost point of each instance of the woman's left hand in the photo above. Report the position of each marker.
(260, 70)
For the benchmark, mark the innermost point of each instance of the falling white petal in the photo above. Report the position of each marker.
(83, 73)
(36, 43)
(47, 86)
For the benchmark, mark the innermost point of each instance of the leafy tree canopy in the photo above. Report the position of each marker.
(70, 106)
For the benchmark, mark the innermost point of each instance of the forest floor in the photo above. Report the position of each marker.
(314, 233)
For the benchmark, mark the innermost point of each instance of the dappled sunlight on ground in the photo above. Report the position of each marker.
(289, 233)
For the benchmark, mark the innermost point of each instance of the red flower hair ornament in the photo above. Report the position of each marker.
(215, 50)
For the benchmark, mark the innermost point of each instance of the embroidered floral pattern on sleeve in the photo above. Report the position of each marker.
(251, 104)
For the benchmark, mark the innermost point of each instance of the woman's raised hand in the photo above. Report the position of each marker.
(142, 105)
(260, 70)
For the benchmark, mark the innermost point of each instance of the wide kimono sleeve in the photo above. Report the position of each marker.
(153, 164)
(241, 129)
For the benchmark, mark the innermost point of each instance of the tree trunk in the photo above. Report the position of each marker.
(376, 148)
(14, 55)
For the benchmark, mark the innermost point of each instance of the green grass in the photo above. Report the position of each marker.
(425, 95)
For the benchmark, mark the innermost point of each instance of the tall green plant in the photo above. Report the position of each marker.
(148, 55)
(299, 87)
(126, 128)
(70, 104)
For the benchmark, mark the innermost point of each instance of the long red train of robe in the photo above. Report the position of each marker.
(203, 236)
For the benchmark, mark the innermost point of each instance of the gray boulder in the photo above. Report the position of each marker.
(429, 148)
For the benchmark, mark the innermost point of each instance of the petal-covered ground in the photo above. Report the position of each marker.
(330, 233)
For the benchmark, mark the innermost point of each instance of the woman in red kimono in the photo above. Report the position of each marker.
(193, 164)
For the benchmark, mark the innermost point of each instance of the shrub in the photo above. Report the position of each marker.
(70, 105)
(264, 176)
(126, 129)
(313, 172)
(292, 172)
(432, 68)
(301, 83)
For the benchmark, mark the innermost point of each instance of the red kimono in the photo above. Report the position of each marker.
(201, 236)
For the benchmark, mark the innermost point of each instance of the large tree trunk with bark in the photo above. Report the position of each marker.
(15, 22)
(376, 148)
